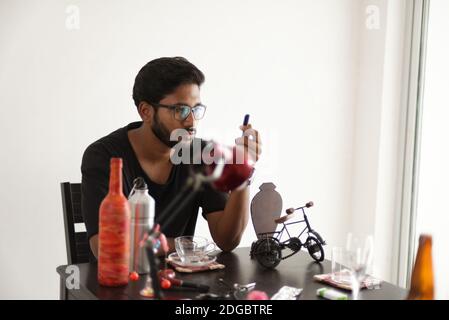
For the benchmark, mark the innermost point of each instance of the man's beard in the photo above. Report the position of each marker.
(163, 134)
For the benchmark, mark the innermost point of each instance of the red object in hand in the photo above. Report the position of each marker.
(236, 171)
(133, 276)
(113, 235)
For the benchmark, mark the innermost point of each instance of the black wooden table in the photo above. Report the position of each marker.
(296, 271)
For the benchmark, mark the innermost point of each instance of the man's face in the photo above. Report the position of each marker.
(164, 123)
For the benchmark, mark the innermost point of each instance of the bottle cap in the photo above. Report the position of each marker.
(139, 184)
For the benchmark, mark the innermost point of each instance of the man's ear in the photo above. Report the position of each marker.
(145, 111)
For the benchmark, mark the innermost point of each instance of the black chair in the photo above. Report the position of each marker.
(77, 245)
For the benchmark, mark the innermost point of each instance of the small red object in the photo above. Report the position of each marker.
(165, 284)
(257, 295)
(133, 276)
(166, 273)
(238, 167)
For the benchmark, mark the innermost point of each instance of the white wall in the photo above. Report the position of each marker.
(433, 191)
(296, 66)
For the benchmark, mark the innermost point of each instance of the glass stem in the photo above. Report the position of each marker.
(355, 287)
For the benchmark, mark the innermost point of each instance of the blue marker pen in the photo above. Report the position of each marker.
(245, 122)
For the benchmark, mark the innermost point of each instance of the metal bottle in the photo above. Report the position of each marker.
(142, 219)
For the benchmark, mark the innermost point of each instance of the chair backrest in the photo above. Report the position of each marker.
(76, 241)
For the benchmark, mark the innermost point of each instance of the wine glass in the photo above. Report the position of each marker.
(359, 250)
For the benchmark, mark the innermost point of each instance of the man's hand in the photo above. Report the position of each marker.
(251, 142)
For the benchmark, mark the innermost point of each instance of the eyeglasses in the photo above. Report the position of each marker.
(181, 112)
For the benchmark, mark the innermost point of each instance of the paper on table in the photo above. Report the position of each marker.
(370, 282)
(189, 269)
(287, 293)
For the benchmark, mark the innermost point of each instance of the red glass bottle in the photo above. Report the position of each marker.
(113, 236)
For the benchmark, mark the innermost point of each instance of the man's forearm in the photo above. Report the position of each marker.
(233, 221)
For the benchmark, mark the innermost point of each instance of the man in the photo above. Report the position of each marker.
(167, 96)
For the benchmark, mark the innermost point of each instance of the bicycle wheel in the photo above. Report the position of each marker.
(315, 249)
(254, 246)
(268, 253)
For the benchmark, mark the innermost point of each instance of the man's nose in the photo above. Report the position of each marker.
(190, 120)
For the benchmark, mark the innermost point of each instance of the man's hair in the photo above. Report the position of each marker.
(162, 76)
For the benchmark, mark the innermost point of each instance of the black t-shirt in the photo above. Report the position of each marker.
(95, 169)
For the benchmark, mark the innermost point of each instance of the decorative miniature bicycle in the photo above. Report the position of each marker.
(268, 249)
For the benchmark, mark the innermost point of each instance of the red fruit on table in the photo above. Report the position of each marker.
(133, 276)
(165, 284)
